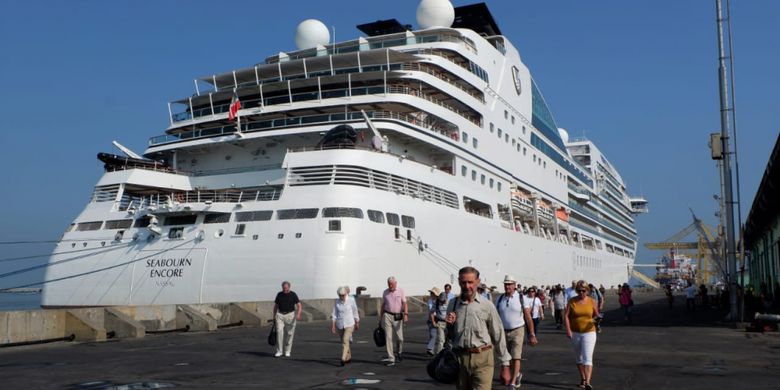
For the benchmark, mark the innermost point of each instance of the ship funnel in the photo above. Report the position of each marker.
(435, 13)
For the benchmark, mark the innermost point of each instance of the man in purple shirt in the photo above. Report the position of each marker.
(392, 317)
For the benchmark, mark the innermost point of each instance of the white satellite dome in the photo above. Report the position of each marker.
(435, 13)
(564, 135)
(310, 33)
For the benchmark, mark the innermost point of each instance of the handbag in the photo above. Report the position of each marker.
(444, 367)
(379, 337)
(272, 335)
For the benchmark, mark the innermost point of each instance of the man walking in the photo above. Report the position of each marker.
(394, 313)
(515, 316)
(287, 310)
(476, 328)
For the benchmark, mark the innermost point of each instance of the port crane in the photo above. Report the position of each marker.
(706, 250)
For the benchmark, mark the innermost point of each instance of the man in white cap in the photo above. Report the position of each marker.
(515, 316)
(432, 299)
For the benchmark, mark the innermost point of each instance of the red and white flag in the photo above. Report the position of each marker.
(235, 105)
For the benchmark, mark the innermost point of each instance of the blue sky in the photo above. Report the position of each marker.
(637, 77)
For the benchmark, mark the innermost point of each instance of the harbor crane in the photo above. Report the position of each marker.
(706, 250)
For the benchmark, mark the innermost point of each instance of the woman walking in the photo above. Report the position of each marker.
(578, 319)
(626, 302)
(345, 320)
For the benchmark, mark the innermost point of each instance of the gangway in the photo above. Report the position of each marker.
(644, 278)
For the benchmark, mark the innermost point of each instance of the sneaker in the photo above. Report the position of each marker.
(399, 358)
(390, 364)
(278, 354)
(286, 354)
(387, 359)
(517, 382)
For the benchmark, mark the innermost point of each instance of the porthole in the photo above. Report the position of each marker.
(219, 233)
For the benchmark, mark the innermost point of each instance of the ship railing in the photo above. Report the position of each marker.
(431, 70)
(374, 43)
(324, 94)
(200, 196)
(201, 172)
(422, 120)
(302, 149)
(578, 190)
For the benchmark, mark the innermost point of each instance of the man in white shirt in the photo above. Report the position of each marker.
(515, 316)
(345, 320)
(690, 297)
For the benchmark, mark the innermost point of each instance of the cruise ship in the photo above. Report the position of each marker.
(404, 152)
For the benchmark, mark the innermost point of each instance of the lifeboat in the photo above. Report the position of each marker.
(521, 205)
(563, 218)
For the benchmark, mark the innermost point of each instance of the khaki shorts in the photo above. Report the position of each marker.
(514, 342)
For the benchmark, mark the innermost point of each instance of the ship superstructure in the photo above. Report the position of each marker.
(404, 153)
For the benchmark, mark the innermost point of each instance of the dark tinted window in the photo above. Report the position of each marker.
(248, 216)
(119, 224)
(376, 216)
(297, 213)
(341, 212)
(180, 220)
(407, 221)
(393, 219)
(142, 222)
(217, 218)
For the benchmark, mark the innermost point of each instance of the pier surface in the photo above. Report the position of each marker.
(663, 349)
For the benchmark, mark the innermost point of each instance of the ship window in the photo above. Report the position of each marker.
(255, 236)
(376, 216)
(248, 216)
(474, 142)
(491, 182)
(297, 213)
(544, 164)
(473, 175)
(176, 233)
(464, 170)
(407, 221)
(240, 228)
(534, 158)
(498, 186)
(87, 226)
(506, 137)
(180, 220)
(523, 129)
(142, 222)
(482, 179)
(506, 114)
(216, 218)
(298, 235)
(119, 224)
(513, 119)
(492, 127)
(342, 212)
(514, 142)
(393, 219)
(465, 137)
(524, 150)
(499, 133)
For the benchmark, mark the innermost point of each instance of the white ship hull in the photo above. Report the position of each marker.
(237, 268)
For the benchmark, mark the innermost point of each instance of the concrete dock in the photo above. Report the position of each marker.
(663, 349)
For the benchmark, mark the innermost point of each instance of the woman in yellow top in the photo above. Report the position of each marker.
(578, 318)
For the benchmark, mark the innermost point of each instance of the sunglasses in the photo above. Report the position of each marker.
(580, 291)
